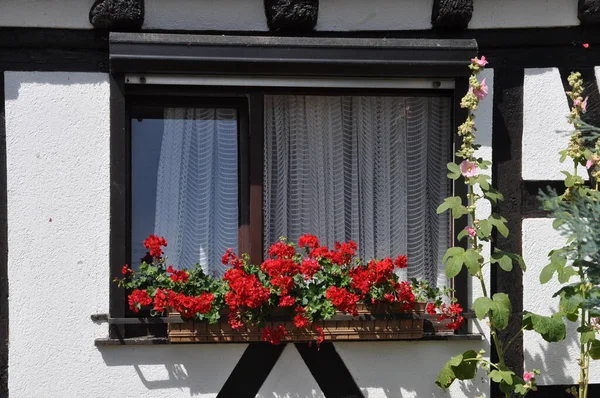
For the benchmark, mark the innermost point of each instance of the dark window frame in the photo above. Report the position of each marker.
(325, 57)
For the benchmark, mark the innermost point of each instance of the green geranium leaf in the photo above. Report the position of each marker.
(500, 223)
(501, 310)
(454, 171)
(595, 349)
(482, 306)
(552, 329)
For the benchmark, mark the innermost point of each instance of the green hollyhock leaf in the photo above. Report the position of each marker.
(565, 274)
(462, 234)
(482, 180)
(595, 349)
(454, 261)
(547, 273)
(503, 260)
(485, 229)
(459, 367)
(500, 223)
(449, 204)
(493, 196)
(569, 303)
(482, 306)
(471, 260)
(587, 335)
(552, 329)
(501, 310)
(454, 171)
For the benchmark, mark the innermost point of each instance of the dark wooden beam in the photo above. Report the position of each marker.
(329, 370)
(251, 371)
(507, 156)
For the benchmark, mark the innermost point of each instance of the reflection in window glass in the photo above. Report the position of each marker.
(185, 185)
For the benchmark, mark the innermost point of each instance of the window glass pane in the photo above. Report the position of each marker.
(185, 185)
(370, 169)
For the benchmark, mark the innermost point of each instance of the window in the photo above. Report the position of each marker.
(185, 183)
(370, 168)
(357, 120)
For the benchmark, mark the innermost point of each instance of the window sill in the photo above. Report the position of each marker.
(103, 342)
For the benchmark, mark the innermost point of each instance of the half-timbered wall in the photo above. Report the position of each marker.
(54, 172)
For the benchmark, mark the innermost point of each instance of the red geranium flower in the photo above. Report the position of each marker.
(343, 300)
(178, 275)
(308, 241)
(126, 270)
(301, 321)
(154, 244)
(138, 299)
(287, 301)
(401, 262)
(274, 335)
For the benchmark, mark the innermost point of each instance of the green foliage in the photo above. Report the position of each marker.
(453, 203)
(551, 328)
(461, 367)
(456, 257)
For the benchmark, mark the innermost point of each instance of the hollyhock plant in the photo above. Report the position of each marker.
(496, 308)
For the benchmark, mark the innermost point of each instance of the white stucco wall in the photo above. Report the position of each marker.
(58, 133)
(558, 361)
(545, 110)
(336, 15)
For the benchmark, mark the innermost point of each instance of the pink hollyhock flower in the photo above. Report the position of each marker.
(586, 45)
(482, 91)
(471, 231)
(527, 376)
(468, 169)
(589, 164)
(480, 61)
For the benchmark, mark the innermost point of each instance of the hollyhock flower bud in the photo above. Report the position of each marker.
(471, 231)
(468, 169)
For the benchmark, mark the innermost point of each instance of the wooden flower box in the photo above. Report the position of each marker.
(385, 324)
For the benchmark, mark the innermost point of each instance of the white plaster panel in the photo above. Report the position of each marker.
(557, 361)
(545, 127)
(279, 384)
(46, 14)
(484, 125)
(521, 14)
(205, 15)
(341, 15)
(58, 161)
(408, 369)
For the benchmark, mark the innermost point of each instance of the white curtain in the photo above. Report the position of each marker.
(197, 186)
(370, 169)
